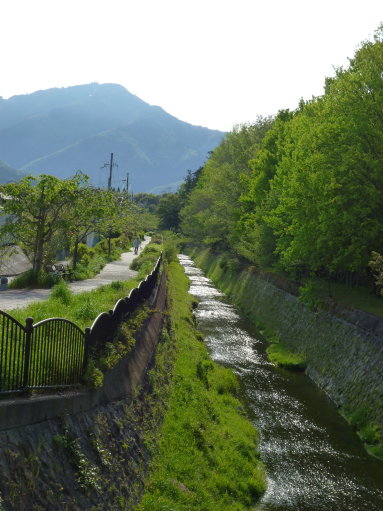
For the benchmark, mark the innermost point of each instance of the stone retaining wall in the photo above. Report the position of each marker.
(82, 450)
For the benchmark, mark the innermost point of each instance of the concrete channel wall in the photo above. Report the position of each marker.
(343, 358)
(57, 452)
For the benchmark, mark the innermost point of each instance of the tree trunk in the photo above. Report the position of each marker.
(39, 252)
(75, 250)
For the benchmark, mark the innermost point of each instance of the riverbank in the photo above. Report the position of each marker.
(206, 456)
(343, 360)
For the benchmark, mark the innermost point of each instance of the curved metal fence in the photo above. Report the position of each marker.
(57, 354)
(54, 352)
(12, 352)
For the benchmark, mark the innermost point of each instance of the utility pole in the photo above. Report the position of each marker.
(110, 165)
(127, 182)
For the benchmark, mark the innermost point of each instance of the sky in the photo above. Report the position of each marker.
(213, 63)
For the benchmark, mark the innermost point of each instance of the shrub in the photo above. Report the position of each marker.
(32, 279)
(145, 262)
(93, 376)
(309, 296)
(62, 292)
(116, 285)
(84, 253)
(145, 268)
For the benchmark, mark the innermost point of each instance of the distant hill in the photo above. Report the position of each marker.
(8, 174)
(60, 131)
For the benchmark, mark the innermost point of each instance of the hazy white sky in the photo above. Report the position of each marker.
(213, 63)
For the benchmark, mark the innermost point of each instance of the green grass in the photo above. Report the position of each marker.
(369, 432)
(206, 457)
(81, 308)
(358, 297)
(282, 356)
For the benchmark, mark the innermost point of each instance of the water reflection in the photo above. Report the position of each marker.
(312, 458)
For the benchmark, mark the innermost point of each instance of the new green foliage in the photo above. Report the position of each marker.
(35, 209)
(212, 212)
(302, 191)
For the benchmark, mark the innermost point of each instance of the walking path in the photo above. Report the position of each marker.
(116, 270)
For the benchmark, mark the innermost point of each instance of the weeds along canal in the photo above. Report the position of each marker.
(313, 459)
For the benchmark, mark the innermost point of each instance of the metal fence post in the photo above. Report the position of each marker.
(86, 349)
(28, 335)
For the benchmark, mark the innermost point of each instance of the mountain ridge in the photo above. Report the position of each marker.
(60, 131)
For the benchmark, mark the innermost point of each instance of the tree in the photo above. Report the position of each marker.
(35, 212)
(257, 237)
(85, 214)
(213, 208)
(120, 215)
(327, 205)
(168, 211)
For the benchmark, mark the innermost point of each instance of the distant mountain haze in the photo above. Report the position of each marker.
(62, 130)
(8, 174)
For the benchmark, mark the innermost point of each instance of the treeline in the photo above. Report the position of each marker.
(303, 190)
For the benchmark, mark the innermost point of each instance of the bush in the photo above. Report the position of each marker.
(62, 292)
(172, 244)
(146, 268)
(32, 279)
(89, 270)
(93, 376)
(146, 259)
(309, 296)
(84, 253)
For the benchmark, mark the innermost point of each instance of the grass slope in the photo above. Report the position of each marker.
(206, 458)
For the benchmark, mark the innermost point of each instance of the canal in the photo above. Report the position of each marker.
(313, 459)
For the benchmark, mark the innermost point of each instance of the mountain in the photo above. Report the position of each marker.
(62, 130)
(8, 174)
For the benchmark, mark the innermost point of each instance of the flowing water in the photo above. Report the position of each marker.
(313, 460)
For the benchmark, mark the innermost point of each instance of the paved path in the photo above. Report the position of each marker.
(13, 262)
(116, 270)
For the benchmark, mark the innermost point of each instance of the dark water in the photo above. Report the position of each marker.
(313, 460)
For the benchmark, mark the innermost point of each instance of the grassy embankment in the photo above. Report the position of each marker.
(206, 455)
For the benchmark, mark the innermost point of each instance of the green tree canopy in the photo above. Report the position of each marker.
(35, 210)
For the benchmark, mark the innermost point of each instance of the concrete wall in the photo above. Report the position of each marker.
(81, 449)
(343, 358)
